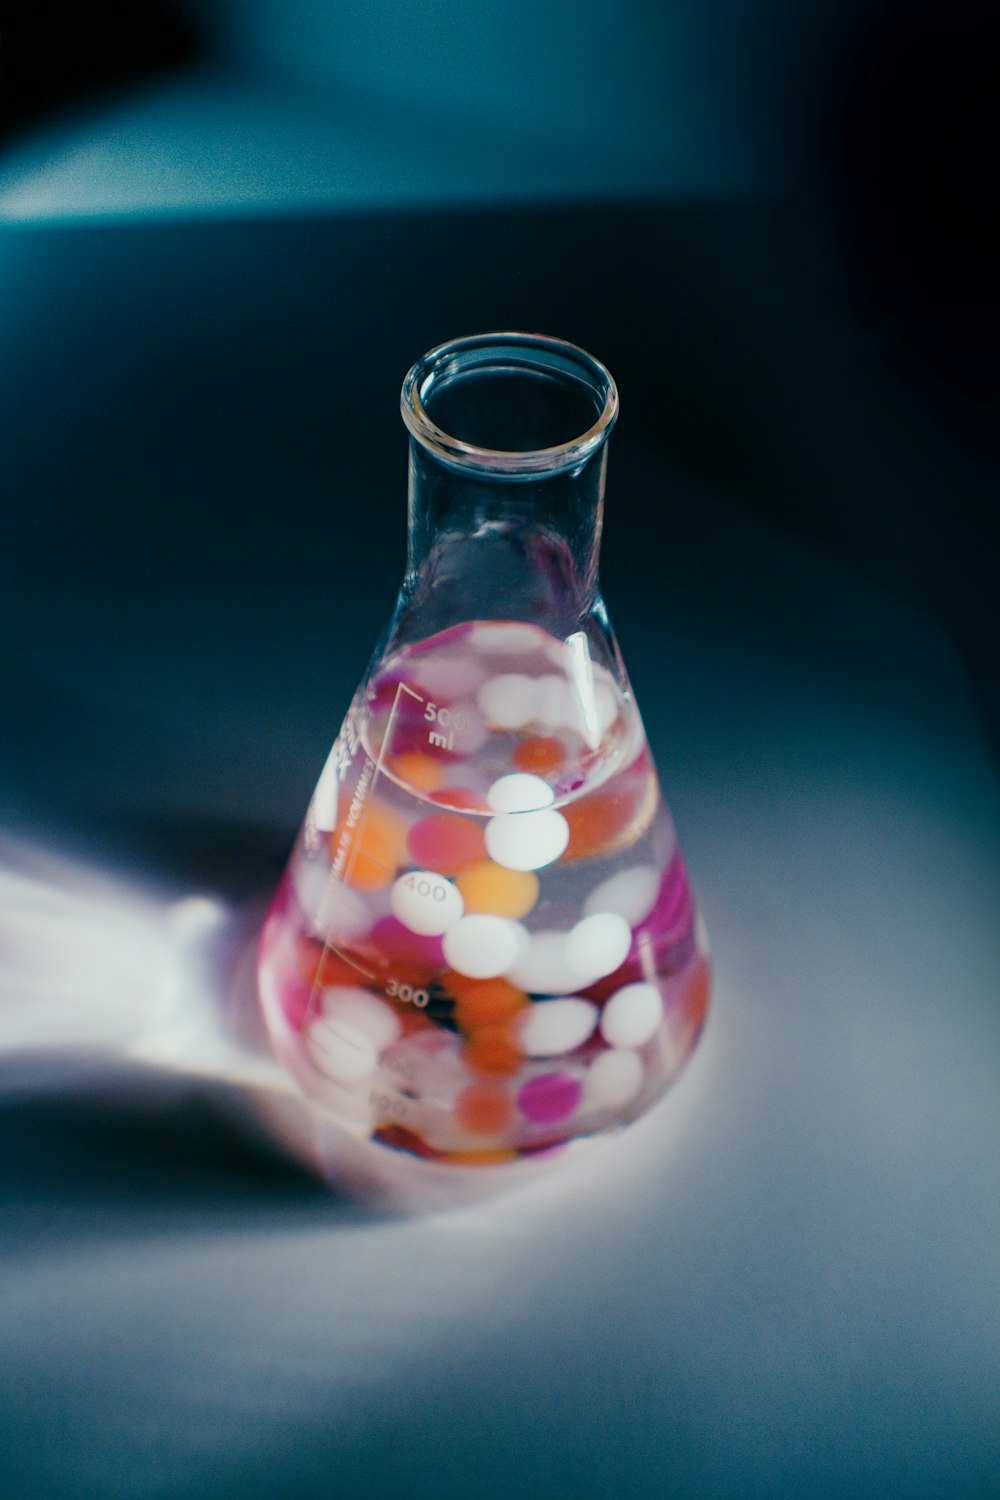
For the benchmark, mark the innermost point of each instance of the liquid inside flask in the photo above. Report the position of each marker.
(485, 945)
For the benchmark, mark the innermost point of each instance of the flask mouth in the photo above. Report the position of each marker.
(514, 404)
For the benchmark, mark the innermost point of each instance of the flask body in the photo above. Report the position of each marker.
(485, 944)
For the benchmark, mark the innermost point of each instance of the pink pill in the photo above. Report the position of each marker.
(397, 944)
(296, 996)
(671, 912)
(549, 1097)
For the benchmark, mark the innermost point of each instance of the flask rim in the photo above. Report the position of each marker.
(534, 352)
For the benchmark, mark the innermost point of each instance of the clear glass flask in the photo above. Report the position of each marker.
(485, 944)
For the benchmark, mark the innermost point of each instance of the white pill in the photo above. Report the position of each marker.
(612, 1079)
(503, 638)
(541, 968)
(316, 887)
(557, 706)
(509, 701)
(606, 703)
(630, 893)
(597, 945)
(482, 946)
(467, 732)
(342, 1050)
(551, 1027)
(364, 1012)
(426, 903)
(518, 793)
(331, 908)
(527, 841)
(447, 677)
(632, 1016)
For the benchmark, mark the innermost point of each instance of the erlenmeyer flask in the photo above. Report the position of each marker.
(485, 944)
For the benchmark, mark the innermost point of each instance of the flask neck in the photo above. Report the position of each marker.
(493, 548)
(506, 481)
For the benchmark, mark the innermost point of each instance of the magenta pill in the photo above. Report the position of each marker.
(550, 1096)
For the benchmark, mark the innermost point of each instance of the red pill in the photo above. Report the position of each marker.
(445, 843)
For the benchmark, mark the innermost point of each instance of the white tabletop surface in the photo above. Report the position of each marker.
(783, 1281)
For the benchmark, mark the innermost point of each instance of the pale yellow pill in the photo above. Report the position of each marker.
(489, 887)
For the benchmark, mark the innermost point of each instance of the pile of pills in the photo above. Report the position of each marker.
(485, 944)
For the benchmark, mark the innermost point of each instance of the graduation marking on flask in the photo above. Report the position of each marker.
(346, 852)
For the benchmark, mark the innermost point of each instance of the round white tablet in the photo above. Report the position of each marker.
(447, 677)
(612, 1079)
(519, 792)
(551, 1027)
(426, 903)
(630, 893)
(541, 968)
(342, 1050)
(632, 1016)
(331, 908)
(364, 1012)
(506, 638)
(597, 945)
(482, 946)
(509, 701)
(528, 840)
(557, 705)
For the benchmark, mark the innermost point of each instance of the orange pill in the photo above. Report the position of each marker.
(461, 796)
(539, 754)
(367, 855)
(484, 1108)
(494, 1051)
(694, 1002)
(325, 966)
(610, 819)
(483, 1002)
(484, 1158)
(423, 772)
(489, 887)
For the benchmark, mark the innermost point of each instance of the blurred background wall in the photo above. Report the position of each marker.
(227, 230)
